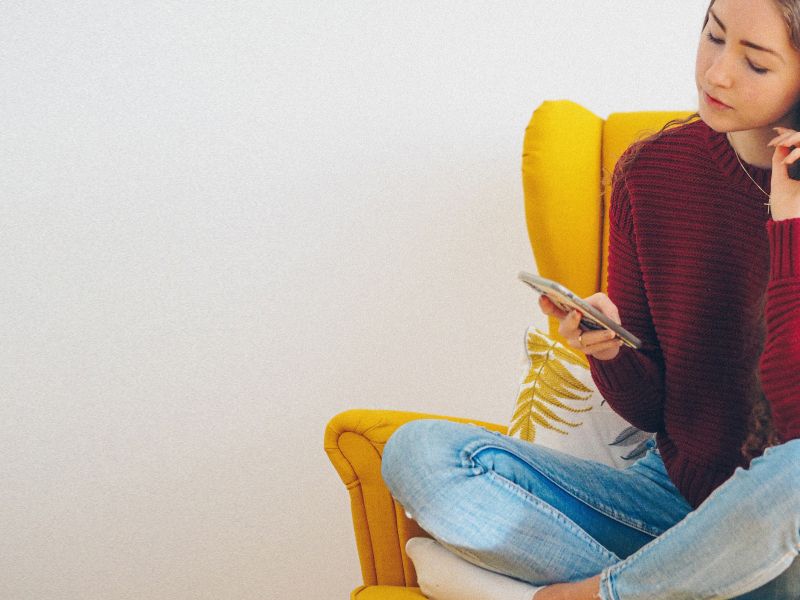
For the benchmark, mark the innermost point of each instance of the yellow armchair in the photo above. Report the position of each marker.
(567, 160)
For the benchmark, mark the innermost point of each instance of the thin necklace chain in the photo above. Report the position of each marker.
(746, 172)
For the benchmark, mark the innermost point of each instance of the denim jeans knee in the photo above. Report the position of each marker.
(421, 451)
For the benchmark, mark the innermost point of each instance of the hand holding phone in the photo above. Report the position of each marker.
(578, 316)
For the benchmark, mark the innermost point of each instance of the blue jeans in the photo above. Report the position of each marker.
(542, 516)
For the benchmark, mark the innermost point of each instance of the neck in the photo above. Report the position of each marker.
(751, 146)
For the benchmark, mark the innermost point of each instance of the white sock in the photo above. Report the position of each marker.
(443, 575)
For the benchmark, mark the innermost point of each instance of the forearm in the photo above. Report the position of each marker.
(632, 383)
(780, 361)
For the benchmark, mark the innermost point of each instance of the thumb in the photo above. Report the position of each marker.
(604, 304)
(780, 170)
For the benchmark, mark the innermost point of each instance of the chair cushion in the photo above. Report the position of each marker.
(386, 592)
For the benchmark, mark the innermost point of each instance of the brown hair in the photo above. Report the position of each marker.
(791, 15)
(761, 432)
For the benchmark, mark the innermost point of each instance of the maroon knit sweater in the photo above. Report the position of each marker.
(693, 257)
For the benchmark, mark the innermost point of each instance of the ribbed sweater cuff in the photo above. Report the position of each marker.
(784, 238)
(621, 373)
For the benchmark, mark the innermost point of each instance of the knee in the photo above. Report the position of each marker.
(421, 451)
(404, 452)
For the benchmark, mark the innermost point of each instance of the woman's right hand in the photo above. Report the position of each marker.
(602, 344)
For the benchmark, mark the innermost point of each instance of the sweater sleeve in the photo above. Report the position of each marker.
(633, 382)
(780, 375)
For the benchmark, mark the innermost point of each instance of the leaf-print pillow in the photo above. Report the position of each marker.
(558, 406)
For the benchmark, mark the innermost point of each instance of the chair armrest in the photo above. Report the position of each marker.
(354, 442)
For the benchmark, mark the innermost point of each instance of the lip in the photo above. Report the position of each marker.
(711, 101)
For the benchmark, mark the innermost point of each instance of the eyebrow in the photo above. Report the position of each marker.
(745, 42)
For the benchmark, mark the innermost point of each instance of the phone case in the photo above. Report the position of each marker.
(566, 300)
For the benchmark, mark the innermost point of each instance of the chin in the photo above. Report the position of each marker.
(715, 122)
(712, 121)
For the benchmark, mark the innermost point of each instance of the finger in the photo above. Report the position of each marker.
(578, 336)
(790, 138)
(590, 338)
(790, 142)
(776, 141)
(782, 136)
(603, 347)
(546, 306)
(604, 304)
(791, 157)
(550, 309)
(778, 156)
(595, 344)
(568, 328)
(783, 130)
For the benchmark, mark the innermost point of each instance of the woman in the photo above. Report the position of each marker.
(710, 281)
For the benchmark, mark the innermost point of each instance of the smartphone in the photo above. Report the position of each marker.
(564, 299)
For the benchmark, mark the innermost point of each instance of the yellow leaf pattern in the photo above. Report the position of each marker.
(548, 386)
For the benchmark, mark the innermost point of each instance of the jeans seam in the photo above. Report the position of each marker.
(602, 509)
(573, 527)
(605, 582)
(614, 570)
(612, 514)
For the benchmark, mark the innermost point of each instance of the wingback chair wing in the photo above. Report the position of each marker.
(568, 157)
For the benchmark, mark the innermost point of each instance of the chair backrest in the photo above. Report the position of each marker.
(568, 157)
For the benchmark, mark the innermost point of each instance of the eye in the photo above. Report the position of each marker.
(718, 41)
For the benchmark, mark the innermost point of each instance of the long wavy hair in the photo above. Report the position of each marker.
(760, 429)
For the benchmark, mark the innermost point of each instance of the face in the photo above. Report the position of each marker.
(746, 61)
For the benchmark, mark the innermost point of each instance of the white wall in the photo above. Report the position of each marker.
(224, 222)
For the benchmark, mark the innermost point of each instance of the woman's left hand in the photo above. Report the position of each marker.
(784, 191)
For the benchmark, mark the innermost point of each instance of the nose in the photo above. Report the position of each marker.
(718, 73)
